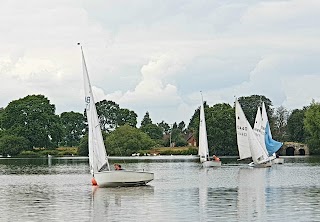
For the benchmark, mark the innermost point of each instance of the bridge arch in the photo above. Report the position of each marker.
(290, 151)
(293, 149)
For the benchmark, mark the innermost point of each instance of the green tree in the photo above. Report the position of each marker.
(83, 149)
(220, 124)
(125, 116)
(33, 117)
(126, 140)
(280, 124)
(165, 127)
(154, 131)
(13, 145)
(221, 128)
(107, 112)
(73, 125)
(1, 118)
(250, 105)
(296, 132)
(312, 127)
(111, 116)
(181, 126)
(146, 119)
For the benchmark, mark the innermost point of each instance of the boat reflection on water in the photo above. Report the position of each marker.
(251, 201)
(111, 203)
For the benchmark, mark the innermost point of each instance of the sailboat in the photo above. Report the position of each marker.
(99, 164)
(272, 145)
(203, 151)
(248, 144)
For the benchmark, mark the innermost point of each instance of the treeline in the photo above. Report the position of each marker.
(31, 122)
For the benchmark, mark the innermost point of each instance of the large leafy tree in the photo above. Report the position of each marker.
(220, 123)
(73, 125)
(111, 115)
(312, 127)
(33, 117)
(295, 127)
(125, 116)
(107, 111)
(126, 140)
(250, 105)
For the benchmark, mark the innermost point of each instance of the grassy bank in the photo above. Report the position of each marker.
(188, 150)
(73, 151)
(58, 152)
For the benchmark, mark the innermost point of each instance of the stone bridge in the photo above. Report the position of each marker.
(293, 149)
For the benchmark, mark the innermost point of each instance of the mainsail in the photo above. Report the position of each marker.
(203, 140)
(242, 126)
(97, 152)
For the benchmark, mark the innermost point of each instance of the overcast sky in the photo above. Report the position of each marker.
(157, 56)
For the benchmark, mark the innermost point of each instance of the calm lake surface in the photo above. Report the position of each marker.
(59, 189)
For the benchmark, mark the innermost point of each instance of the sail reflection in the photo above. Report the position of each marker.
(251, 203)
(203, 193)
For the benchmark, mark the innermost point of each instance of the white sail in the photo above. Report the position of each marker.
(99, 165)
(242, 132)
(259, 129)
(264, 119)
(259, 154)
(203, 151)
(97, 151)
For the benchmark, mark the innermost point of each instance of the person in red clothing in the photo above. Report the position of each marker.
(215, 158)
(117, 167)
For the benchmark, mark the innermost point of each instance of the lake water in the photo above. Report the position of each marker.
(59, 189)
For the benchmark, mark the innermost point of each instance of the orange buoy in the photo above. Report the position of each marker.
(94, 182)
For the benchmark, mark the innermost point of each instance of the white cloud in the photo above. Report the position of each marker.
(157, 56)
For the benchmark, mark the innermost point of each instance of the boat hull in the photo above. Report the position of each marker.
(208, 164)
(278, 161)
(261, 165)
(122, 178)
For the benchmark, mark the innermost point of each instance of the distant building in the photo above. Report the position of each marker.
(191, 140)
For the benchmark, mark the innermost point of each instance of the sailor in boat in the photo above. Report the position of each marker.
(117, 166)
(215, 158)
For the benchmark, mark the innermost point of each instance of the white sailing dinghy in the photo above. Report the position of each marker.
(203, 151)
(272, 145)
(99, 164)
(248, 144)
